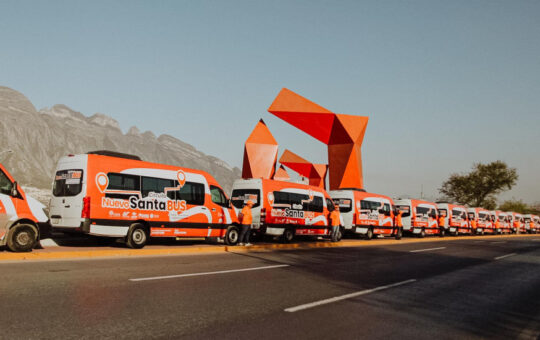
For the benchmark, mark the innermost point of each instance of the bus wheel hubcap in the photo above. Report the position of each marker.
(23, 238)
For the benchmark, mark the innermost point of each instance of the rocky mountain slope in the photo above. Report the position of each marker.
(39, 138)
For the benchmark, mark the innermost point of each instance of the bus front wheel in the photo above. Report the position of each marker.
(137, 236)
(22, 238)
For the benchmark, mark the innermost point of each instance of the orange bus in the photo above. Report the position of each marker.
(419, 217)
(21, 216)
(367, 214)
(285, 209)
(110, 194)
(456, 219)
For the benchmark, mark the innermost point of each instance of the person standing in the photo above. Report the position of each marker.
(335, 223)
(246, 220)
(441, 222)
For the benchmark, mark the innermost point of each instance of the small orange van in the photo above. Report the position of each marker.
(456, 219)
(285, 209)
(21, 216)
(419, 217)
(367, 214)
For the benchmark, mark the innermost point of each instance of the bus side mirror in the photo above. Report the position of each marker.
(14, 192)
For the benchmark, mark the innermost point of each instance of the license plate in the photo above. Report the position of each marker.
(55, 221)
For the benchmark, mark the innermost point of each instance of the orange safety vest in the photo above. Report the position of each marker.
(334, 218)
(246, 215)
(399, 223)
(441, 221)
(473, 223)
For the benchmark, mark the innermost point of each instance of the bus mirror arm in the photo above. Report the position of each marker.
(14, 192)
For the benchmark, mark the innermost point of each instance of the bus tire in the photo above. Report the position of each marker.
(22, 238)
(137, 236)
(399, 233)
(422, 233)
(232, 235)
(369, 234)
(288, 235)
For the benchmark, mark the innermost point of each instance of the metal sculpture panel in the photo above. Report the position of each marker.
(260, 153)
(316, 173)
(342, 133)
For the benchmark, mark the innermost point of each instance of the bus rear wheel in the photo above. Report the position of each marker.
(288, 235)
(369, 234)
(22, 238)
(137, 236)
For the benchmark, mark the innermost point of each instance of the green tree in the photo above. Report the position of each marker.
(480, 187)
(515, 206)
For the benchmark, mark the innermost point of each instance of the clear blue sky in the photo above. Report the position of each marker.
(445, 83)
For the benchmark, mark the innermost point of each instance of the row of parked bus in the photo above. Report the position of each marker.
(116, 195)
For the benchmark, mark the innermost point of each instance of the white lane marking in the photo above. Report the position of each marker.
(502, 257)
(208, 273)
(344, 297)
(428, 249)
(498, 242)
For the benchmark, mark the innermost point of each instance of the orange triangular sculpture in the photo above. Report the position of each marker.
(260, 153)
(281, 174)
(342, 133)
(316, 173)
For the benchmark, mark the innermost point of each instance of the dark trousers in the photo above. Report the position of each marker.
(244, 233)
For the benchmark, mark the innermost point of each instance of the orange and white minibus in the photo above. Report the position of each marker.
(284, 209)
(21, 216)
(530, 227)
(455, 218)
(366, 213)
(480, 216)
(419, 217)
(110, 194)
(501, 223)
(518, 223)
(491, 227)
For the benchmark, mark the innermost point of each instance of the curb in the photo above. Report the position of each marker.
(185, 250)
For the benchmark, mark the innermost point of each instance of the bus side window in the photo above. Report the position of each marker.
(5, 184)
(123, 182)
(315, 205)
(155, 185)
(192, 193)
(218, 197)
(330, 204)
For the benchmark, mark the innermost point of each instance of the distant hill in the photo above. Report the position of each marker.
(39, 138)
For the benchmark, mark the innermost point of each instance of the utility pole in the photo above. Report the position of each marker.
(421, 191)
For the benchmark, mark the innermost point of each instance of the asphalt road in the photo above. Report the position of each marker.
(441, 289)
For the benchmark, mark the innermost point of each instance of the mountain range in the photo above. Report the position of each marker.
(37, 139)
